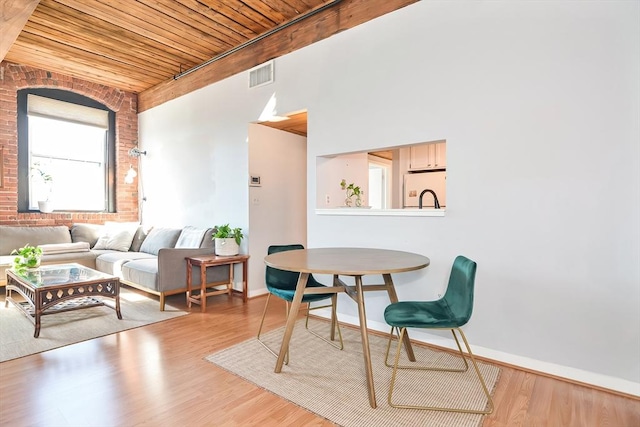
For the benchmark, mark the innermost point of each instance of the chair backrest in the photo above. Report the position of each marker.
(459, 294)
(281, 279)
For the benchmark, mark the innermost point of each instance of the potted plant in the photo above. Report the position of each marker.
(27, 257)
(352, 190)
(46, 181)
(227, 240)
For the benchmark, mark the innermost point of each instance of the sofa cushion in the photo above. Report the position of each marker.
(12, 237)
(86, 258)
(62, 248)
(142, 272)
(190, 237)
(89, 233)
(207, 241)
(117, 236)
(138, 238)
(112, 262)
(159, 238)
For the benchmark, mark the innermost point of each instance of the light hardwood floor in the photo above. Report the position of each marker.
(157, 376)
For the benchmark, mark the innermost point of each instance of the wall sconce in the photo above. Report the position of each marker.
(131, 174)
(135, 152)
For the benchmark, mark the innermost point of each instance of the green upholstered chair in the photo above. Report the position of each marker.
(282, 284)
(452, 311)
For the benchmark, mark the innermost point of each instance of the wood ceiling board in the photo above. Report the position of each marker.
(386, 154)
(245, 15)
(220, 22)
(220, 41)
(69, 64)
(159, 29)
(297, 124)
(99, 33)
(127, 61)
(15, 14)
(52, 49)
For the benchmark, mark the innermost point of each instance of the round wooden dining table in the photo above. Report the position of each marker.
(353, 262)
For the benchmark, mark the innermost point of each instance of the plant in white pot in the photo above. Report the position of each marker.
(227, 240)
(27, 257)
(45, 188)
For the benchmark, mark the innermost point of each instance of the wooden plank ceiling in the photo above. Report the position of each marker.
(136, 44)
(296, 123)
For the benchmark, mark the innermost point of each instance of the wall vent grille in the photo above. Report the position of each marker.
(262, 75)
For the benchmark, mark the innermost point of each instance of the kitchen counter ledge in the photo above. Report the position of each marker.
(381, 212)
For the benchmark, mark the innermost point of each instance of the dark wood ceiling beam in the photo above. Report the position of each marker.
(346, 14)
(13, 16)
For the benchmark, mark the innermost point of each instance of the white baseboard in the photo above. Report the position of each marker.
(574, 374)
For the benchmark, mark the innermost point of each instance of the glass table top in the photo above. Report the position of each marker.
(55, 275)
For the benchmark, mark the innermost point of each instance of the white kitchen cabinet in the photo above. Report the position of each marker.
(428, 156)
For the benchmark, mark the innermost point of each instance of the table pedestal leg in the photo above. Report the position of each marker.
(365, 341)
(291, 319)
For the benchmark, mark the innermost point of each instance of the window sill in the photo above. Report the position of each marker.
(381, 212)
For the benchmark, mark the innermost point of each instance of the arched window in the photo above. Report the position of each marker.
(66, 152)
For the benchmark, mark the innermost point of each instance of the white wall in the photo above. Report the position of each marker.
(277, 208)
(538, 103)
(330, 171)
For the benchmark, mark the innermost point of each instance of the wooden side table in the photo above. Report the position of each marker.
(206, 261)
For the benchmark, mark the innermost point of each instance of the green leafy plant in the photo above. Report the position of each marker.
(352, 190)
(225, 231)
(27, 257)
(46, 180)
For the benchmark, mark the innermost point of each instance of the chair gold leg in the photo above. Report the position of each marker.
(264, 313)
(475, 365)
(334, 325)
(421, 367)
(334, 321)
(436, 408)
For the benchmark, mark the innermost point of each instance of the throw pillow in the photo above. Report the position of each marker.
(190, 237)
(117, 236)
(90, 233)
(138, 238)
(159, 238)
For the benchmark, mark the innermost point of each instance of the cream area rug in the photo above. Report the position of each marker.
(332, 382)
(61, 329)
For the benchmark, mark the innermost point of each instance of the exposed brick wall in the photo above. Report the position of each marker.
(14, 77)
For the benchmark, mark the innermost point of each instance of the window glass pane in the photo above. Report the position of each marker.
(73, 155)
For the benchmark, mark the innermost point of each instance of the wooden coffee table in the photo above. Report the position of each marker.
(56, 288)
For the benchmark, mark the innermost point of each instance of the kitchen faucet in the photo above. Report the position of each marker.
(435, 199)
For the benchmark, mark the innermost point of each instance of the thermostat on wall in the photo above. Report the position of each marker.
(254, 181)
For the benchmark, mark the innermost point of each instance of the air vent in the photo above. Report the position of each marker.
(261, 75)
